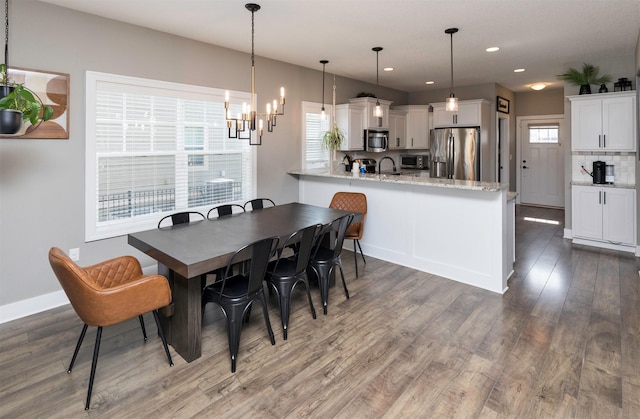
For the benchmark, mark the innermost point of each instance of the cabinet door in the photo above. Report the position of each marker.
(586, 125)
(418, 128)
(586, 207)
(468, 114)
(618, 128)
(442, 117)
(619, 215)
(350, 120)
(397, 131)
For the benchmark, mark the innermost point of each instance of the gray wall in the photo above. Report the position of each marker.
(42, 181)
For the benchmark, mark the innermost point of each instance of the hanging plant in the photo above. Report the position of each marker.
(332, 139)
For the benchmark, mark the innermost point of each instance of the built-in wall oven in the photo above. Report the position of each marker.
(376, 141)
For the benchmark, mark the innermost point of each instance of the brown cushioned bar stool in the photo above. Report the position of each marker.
(357, 203)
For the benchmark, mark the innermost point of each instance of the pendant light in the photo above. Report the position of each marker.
(452, 100)
(323, 114)
(377, 112)
(245, 126)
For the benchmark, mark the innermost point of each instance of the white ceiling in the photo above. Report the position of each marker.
(542, 36)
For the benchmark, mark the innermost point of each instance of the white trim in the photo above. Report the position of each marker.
(31, 306)
(24, 308)
(605, 245)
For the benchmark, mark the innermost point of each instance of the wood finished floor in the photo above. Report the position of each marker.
(563, 342)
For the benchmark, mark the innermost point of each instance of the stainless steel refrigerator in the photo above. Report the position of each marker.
(455, 153)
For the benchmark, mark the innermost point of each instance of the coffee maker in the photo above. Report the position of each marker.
(599, 172)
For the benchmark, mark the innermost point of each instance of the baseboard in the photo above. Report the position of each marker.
(606, 245)
(568, 234)
(31, 306)
(45, 302)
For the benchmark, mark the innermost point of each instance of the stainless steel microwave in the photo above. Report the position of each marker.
(414, 161)
(376, 141)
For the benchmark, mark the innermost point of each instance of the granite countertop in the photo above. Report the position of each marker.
(410, 178)
(605, 185)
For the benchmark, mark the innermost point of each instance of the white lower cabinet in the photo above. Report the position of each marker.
(604, 214)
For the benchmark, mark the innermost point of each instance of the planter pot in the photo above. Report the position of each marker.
(5, 90)
(585, 89)
(10, 121)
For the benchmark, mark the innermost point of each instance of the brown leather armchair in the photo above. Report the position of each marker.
(108, 293)
(357, 203)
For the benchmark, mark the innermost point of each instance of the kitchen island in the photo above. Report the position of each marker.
(461, 230)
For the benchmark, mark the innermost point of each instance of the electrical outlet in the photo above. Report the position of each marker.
(74, 254)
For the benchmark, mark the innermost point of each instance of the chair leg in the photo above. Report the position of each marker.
(265, 312)
(234, 326)
(94, 363)
(75, 353)
(361, 254)
(313, 310)
(161, 333)
(346, 291)
(355, 256)
(144, 331)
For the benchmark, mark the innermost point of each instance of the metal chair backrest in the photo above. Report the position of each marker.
(181, 217)
(258, 253)
(339, 226)
(301, 242)
(224, 210)
(258, 203)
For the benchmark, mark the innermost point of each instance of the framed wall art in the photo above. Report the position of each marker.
(53, 90)
(503, 104)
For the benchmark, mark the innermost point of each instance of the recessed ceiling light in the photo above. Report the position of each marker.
(388, 69)
(538, 86)
(518, 70)
(429, 82)
(492, 49)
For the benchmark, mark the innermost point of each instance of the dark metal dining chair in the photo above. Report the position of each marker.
(224, 210)
(258, 203)
(180, 218)
(236, 293)
(326, 255)
(284, 273)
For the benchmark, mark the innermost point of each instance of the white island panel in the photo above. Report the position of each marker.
(457, 233)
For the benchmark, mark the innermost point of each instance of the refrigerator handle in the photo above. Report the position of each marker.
(451, 160)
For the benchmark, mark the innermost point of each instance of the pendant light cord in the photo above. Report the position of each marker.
(6, 34)
(451, 62)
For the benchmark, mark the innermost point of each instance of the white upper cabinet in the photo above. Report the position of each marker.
(603, 122)
(350, 120)
(417, 125)
(469, 114)
(397, 130)
(369, 104)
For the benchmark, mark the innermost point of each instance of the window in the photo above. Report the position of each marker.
(154, 148)
(313, 127)
(544, 134)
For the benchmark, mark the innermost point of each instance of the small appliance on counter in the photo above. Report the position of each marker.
(369, 165)
(609, 176)
(414, 161)
(599, 170)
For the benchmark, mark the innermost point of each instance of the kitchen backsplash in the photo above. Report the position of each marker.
(624, 167)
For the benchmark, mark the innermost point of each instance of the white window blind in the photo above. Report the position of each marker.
(154, 148)
(313, 128)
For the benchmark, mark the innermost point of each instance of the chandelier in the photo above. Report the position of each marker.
(249, 125)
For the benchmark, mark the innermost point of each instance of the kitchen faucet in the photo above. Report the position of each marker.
(392, 162)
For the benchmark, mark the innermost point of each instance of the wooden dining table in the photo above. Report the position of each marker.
(187, 251)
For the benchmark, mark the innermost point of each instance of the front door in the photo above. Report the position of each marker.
(542, 161)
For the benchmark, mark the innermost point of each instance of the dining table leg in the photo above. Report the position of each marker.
(183, 326)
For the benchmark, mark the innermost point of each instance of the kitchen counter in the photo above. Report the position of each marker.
(461, 230)
(604, 185)
(408, 177)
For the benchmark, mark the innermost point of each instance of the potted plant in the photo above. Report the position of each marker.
(584, 78)
(331, 140)
(19, 105)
